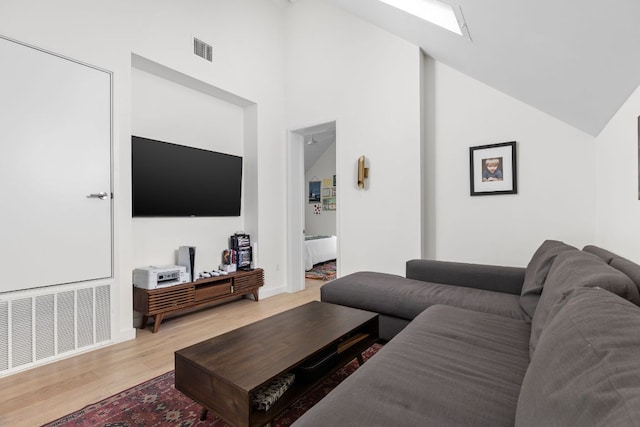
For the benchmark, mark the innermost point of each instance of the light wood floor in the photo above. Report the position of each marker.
(43, 394)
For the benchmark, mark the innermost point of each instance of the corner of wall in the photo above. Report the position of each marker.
(428, 155)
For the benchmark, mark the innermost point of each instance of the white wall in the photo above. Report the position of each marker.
(325, 223)
(616, 170)
(341, 68)
(556, 181)
(170, 112)
(248, 39)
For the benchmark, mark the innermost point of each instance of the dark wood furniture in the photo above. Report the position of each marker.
(221, 373)
(157, 303)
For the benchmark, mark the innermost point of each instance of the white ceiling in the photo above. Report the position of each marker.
(576, 60)
(323, 136)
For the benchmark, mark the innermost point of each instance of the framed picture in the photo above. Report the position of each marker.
(314, 191)
(326, 192)
(329, 204)
(493, 169)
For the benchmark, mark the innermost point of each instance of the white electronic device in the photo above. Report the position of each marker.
(187, 258)
(153, 277)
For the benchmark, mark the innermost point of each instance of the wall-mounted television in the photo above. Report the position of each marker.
(171, 180)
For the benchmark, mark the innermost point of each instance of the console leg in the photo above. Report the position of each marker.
(360, 359)
(145, 319)
(203, 414)
(255, 295)
(157, 319)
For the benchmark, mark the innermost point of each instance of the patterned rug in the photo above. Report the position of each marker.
(156, 403)
(324, 271)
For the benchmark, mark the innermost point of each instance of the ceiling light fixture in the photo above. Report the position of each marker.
(442, 14)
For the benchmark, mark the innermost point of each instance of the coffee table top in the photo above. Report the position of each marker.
(252, 355)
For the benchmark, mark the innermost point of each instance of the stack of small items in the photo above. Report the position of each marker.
(267, 395)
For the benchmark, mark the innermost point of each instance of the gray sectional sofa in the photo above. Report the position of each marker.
(554, 344)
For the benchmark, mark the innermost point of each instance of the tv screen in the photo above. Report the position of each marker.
(170, 180)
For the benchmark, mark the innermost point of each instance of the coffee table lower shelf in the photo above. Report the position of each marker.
(300, 389)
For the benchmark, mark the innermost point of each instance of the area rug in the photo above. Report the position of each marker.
(324, 271)
(156, 403)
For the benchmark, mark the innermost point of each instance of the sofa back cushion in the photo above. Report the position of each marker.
(586, 369)
(536, 273)
(571, 270)
(605, 254)
(629, 268)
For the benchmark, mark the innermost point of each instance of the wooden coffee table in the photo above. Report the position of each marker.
(221, 373)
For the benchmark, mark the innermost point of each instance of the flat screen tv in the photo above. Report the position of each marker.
(171, 180)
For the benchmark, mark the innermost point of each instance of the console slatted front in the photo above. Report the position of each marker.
(248, 280)
(158, 302)
(172, 298)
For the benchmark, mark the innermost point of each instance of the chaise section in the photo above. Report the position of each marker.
(450, 366)
(396, 297)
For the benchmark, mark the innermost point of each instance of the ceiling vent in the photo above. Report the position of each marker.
(202, 49)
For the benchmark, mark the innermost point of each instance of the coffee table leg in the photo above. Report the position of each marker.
(203, 414)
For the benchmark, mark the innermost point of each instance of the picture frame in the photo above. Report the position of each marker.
(493, 169)
(314, 191)
(329, 204)
(326, 192)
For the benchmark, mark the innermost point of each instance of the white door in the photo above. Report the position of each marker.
(55, 150)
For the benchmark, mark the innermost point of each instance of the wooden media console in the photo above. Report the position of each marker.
(157, 303)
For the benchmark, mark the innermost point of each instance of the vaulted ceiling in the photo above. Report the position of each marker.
(576, 60)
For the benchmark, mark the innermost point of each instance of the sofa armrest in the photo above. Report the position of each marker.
(489, 277)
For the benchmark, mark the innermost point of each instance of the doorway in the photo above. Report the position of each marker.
(313, 201)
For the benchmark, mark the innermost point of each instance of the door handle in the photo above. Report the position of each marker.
(101, 196)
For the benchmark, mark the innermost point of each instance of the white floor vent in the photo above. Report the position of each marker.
(41, 326)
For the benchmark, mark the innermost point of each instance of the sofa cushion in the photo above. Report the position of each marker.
(605, 254)
(570, 270)
(536, 273)
(495, 278)
(450, 366)
(397, 296)
(586, 369)
(629, 268)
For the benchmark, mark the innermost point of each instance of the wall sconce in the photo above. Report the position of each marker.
(363, 172)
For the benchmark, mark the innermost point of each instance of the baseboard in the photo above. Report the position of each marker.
(125, 335)
(266, 293)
